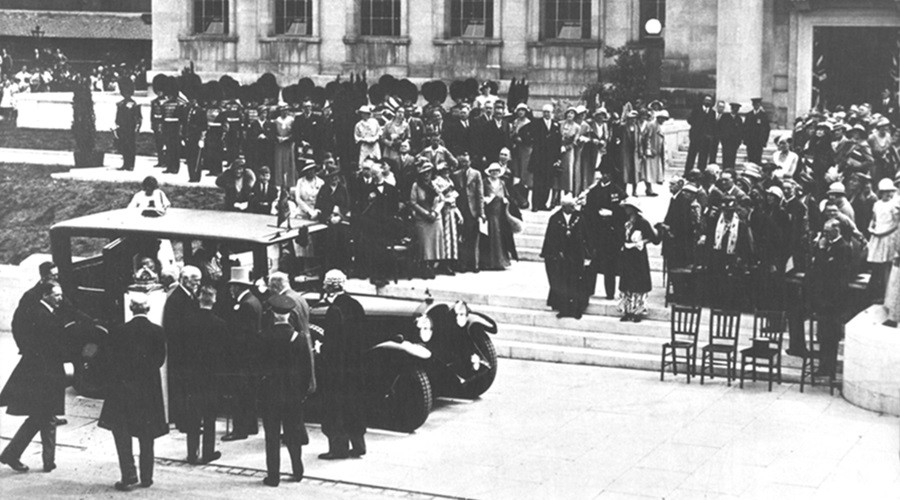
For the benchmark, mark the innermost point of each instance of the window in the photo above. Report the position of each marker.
(567, 19)
(380, 18)
(472, 18)
(211, 16)
(293, 17)
(652, 9)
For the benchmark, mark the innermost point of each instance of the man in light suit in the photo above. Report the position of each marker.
(470, 186)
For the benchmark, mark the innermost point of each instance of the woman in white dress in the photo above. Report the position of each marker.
(150, 198)
(367, 133)
(883, 230)
(305, 194)
(395, 132)
(786, 159)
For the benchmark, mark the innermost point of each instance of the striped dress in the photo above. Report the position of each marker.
(448, 218)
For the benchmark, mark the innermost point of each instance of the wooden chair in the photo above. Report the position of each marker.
(685, 328)
(768, 336)
(812, 356)
(724, 328)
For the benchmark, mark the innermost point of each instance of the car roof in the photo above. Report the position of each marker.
(184, 222)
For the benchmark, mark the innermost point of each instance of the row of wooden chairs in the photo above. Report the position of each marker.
(721, 350)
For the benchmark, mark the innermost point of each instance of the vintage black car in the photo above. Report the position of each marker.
(444, 350)
(419, 349)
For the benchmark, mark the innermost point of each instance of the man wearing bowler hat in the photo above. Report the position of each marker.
(756, 131)
(245, 322)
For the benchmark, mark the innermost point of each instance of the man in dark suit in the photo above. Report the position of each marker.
(48, 272)
(458, 134)
(545, 156)
(605, 219)
(134, 405)
(285, 384)
(756, 131)
(719, 111)
(245, 323)
(344, 419)
(37, 386)
(306, 128)
(468, 183)
(564, 251)
(730, 131)
(128, 122)
(703, 123)
(207, 336)
(416, 129)
(492, 133)
(262, 194)
(259, 144)
(179, 320)
(333, 207)
(377, 228)
(827, 285)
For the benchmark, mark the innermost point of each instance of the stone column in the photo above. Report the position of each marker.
(337, 19)
(515, 33)
(246, 27)
(170, 21)
(739, 50)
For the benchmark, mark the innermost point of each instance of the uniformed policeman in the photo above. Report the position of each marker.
(128, 122)
(173, 110)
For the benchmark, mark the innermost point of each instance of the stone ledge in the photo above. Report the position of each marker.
(872, 362)
(291, 39)
(492, 42)
(208, 38)
(390, 40)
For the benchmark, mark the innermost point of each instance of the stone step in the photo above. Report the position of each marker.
(533, 254)
(610, 358)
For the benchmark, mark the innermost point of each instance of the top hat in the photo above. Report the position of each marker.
(240, 276)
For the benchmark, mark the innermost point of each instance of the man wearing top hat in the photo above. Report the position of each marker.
(756, 131)
(178, 316)
(245, 322)
(284, 385)
(703, 123)
(128, 122)
(730, 131)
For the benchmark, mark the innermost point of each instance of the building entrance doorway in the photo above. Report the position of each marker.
(852, 65)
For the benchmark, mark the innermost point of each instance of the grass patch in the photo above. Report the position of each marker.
(62, 140)
(33, 201)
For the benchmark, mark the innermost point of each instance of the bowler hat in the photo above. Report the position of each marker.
(240, 276)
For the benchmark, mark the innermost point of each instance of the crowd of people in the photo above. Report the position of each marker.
(225, 340)
(49, 70)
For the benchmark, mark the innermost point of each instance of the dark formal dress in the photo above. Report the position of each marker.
(36, 388)
(634, 266)
(134, 405)
(343, 384)
(564, 252)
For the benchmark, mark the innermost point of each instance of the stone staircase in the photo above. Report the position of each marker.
(516, 299)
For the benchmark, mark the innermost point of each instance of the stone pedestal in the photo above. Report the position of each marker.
(872, 362)
(740, 50)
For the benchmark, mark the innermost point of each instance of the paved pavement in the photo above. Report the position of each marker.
(543, 431)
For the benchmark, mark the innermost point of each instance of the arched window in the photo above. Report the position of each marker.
(211, 17)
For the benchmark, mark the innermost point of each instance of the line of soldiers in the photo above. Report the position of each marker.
(261, 352)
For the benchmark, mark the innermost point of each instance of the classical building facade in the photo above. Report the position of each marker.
(792, 53)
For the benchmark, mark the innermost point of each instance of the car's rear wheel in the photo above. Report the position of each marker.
(485, 350)
(409, 401)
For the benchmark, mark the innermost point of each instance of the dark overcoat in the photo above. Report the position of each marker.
(344, 376)
(564, 251)
(206, 343)
(604, 235)
(634, 265)
(132, 358)
(178, 321)
(286, 377)
(37, 386)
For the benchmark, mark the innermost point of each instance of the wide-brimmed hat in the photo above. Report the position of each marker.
(858, 128)
(601, 111)
(837, 188)
(826, 125)
(522, 105)
(581, 109)
(304, 165)
(775, 190)
(240, 276)
(365, 109)
(631, 114)
(882, 122)
(494, 166)
(662, 114)
(425, 166)
(886, 185)
(632, 202)
(751, 170)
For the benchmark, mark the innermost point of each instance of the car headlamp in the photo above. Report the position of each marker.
(426, 330)
(462, 314)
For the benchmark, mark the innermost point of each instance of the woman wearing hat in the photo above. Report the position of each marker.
(283, 167)
(307, 189)
(634, 265)
(494, 254)
(570, 130)
(449, 217)
(820, 156)
(333, 209)
(784, 158)
(883, 239)
(429, 231)
(521, 141)
(395, 133)
(366, 133)
(595, 134)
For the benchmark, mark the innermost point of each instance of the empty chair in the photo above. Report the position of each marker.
(768, 335)
(812, 357)
(685, 328)
(724, 327)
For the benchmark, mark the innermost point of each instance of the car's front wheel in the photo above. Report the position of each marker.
(408, 402)
(487, 357)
